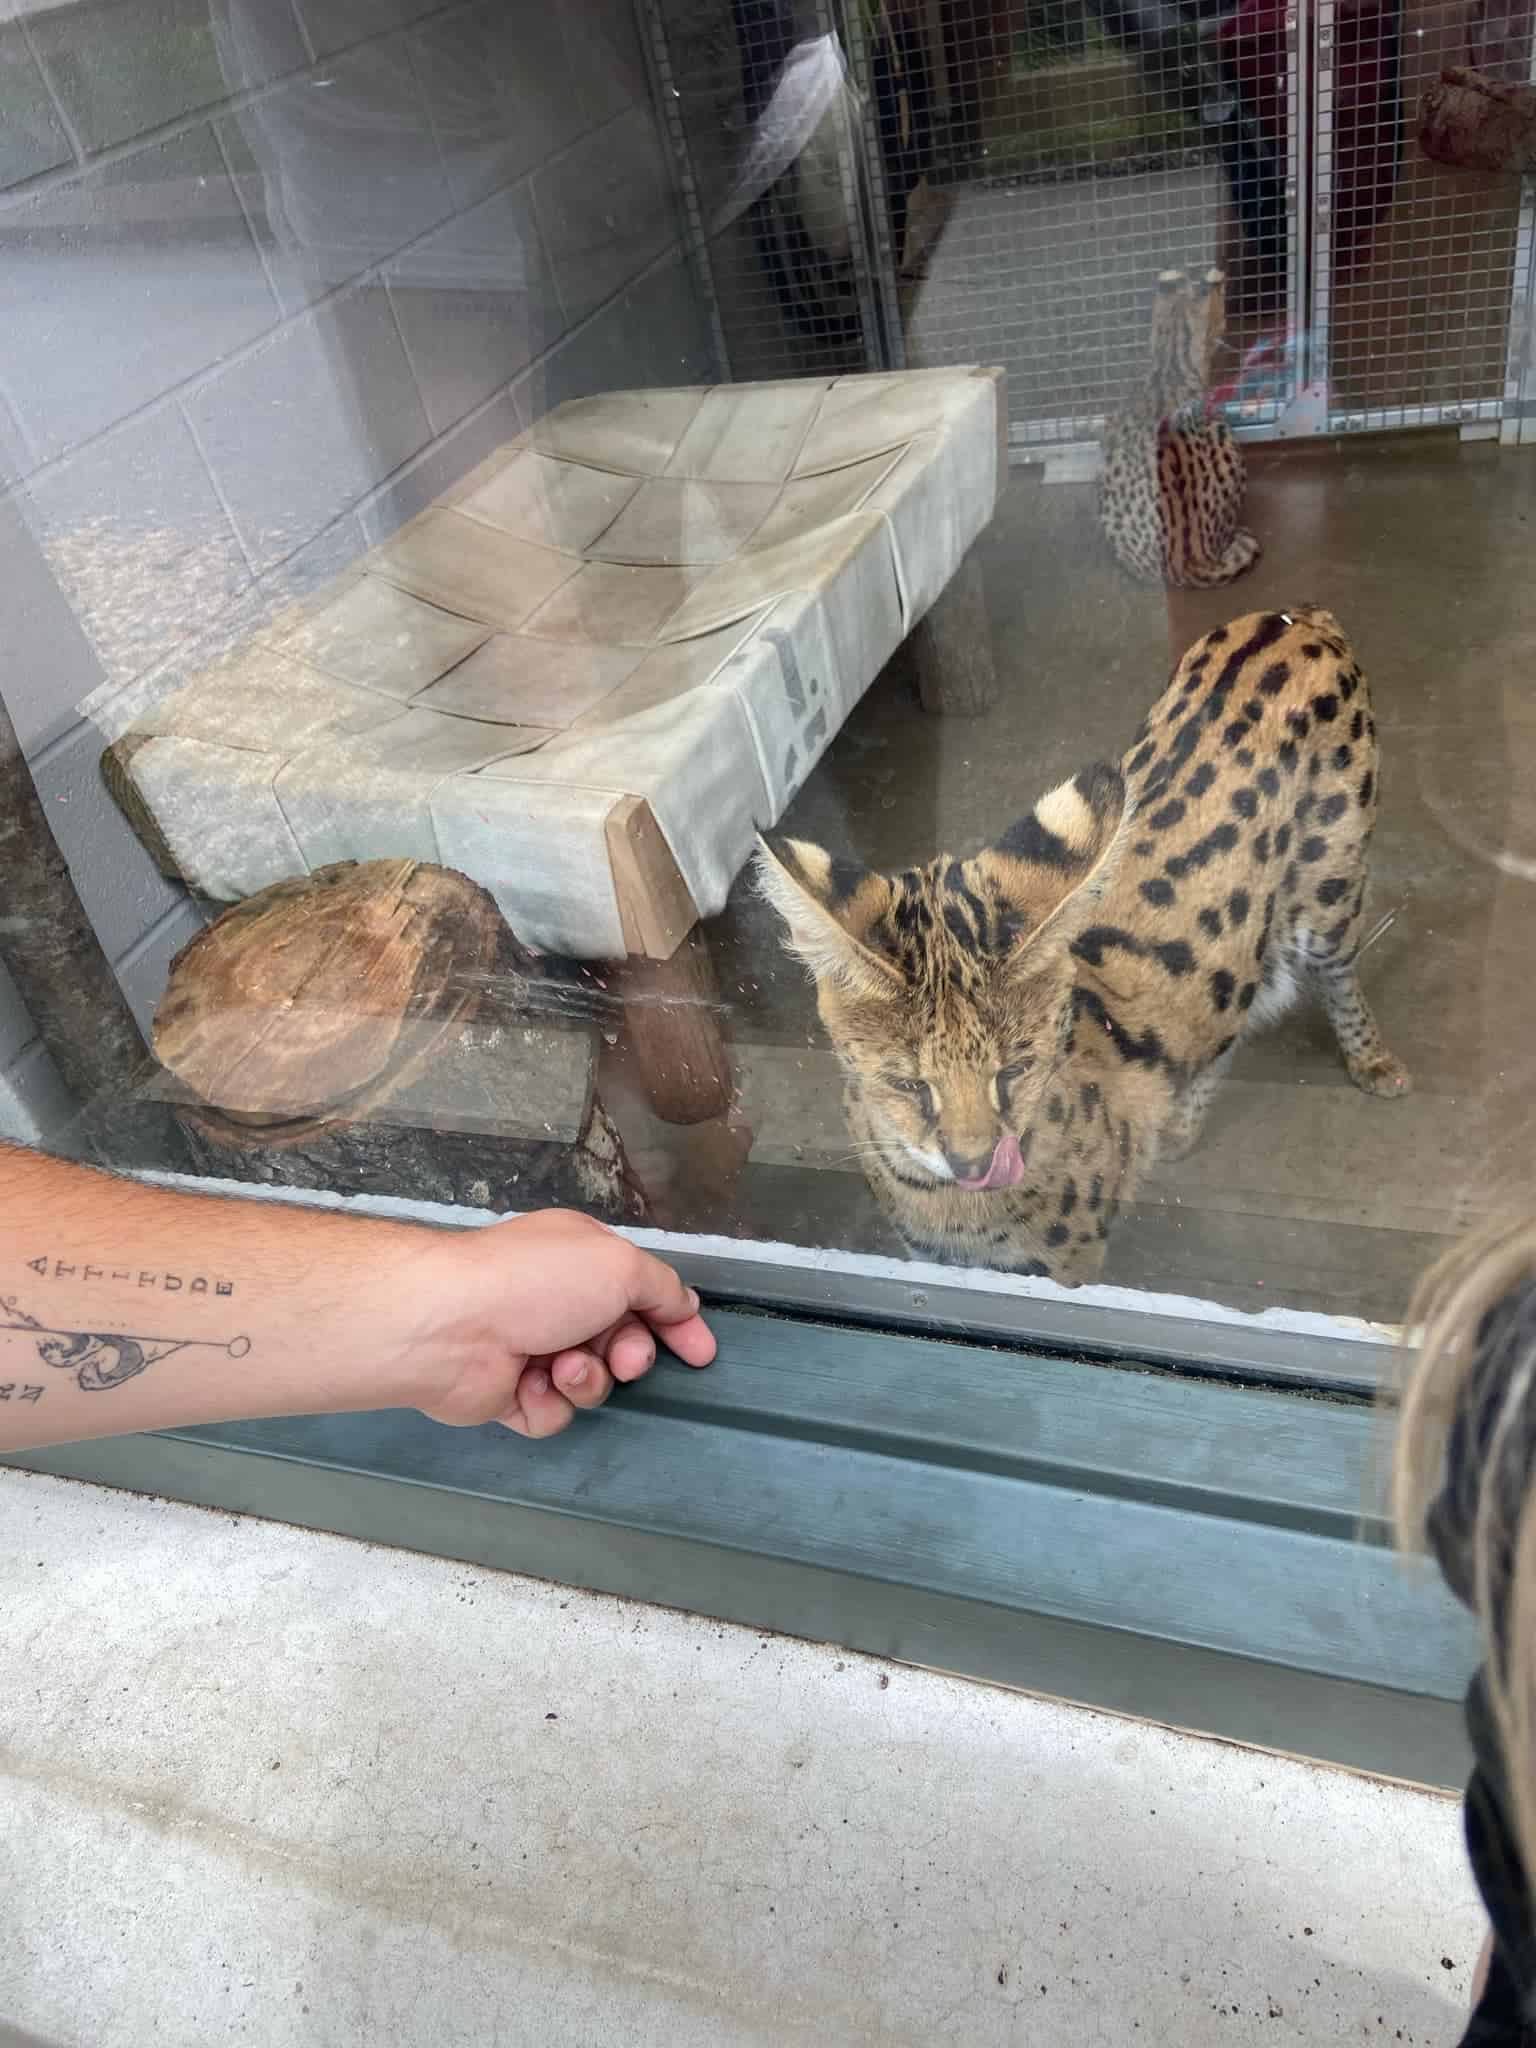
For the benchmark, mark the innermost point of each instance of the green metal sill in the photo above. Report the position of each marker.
(1167, 1543)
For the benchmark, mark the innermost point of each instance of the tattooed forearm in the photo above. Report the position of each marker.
(102, 1359)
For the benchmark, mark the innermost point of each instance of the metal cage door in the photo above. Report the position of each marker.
(1419, 272)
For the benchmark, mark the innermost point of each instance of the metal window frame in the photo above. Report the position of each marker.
(1152, 1514)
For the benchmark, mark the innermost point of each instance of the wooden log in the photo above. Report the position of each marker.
(672, 1018)
(504, 1118)
(377, 1028)
(951, 649)
(314, 992)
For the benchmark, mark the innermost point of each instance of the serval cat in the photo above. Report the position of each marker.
(1172, 492)
(1023, 1032)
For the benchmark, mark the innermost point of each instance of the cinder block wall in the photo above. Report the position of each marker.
(272, 274)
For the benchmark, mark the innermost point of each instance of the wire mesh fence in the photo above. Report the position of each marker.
(1415, 261)
(886, 183)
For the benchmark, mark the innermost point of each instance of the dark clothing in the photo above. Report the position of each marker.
(1506, 2013)
(1499, 2020)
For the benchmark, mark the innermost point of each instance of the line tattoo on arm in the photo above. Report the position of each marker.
(100, 1359)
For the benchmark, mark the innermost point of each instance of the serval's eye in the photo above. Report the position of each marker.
(919, 1091)
(1014, 1071)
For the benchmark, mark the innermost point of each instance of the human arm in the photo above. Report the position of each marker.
(126, 1307)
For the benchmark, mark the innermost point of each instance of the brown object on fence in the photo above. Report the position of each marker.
(1471, 120)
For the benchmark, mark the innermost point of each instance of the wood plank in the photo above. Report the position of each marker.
(656, 911)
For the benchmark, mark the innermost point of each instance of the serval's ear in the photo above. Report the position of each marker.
(829, 907)
(1055, 864)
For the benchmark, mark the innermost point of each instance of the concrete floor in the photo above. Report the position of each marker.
(1303, 1192)
(265, 1785)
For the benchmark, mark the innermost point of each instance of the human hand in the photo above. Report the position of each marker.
(524, 1322)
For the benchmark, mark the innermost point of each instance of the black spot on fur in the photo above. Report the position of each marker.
(1054, 1110)
(1246, 994)
(1090, 1097)
(1261, 846)
(1312, 649)
(1143, 847)
(1253, 710)
(1237, 730)
(1147, 1050)
(1057, 1234)
(1216, 636)
(1269, 782)
(1069, 1196)
(1332, 808)
(1287, 756)
(1357, 725)
(1367, 791)
(1140, 759)
(843, 878)
(1210, 923)
(1245, 803)
(1157, 891)
(1275, 678)
(1096, 1192)
(1332, 891)
(1325, 707)
(1201, 780)
(1314, 848)
(1342, 756)
(1175, 956)
(1222, 985)
(1220, 839)
(1030, 840)
(1303, 809)
(1099, 939)
(1298, 723)
(1183, 744)
(1283, 841)
(1170, 814)
(1244, 757)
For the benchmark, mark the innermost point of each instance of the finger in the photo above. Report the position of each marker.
(582, 1377)
(671, 1309)
(630, 1349)
(543, 1410)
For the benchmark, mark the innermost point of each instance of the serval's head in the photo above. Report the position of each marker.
(1188, 321)
(947, 991)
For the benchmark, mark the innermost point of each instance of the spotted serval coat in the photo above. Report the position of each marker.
(1024, 1032)
(1172, 492)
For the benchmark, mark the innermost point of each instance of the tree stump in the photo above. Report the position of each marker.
(377, 1028)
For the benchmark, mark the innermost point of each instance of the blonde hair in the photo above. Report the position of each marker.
(1466, 1461)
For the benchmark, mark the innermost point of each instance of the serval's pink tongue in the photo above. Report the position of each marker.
(1005, 1170)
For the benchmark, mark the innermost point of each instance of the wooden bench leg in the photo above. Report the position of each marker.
(672, 1016)
(952, 648)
